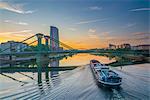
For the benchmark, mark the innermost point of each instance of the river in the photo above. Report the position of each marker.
(77, 84)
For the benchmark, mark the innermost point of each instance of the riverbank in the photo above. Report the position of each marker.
(125, 59)
(118, 63)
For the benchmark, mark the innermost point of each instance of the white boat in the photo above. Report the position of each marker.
(104, 75)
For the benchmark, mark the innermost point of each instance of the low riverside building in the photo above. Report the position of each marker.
(125, 46)
(13, 46)
(122, 46)
(111, 46)
(141, 47)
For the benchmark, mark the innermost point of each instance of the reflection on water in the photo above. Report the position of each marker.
(16, 79)
(83, 59)
(82, 85)
(75, 84)
(54, 63)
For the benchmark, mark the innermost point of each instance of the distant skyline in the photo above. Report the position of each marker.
(82, 24)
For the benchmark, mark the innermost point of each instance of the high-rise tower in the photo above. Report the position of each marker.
(54, 42)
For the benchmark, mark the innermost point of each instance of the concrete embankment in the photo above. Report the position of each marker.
(34, 69)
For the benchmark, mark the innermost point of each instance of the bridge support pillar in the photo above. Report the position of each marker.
(39, 57)
(39, 37)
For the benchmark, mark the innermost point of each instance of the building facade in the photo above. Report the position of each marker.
(13, 46)
(122, 46)
(54, 41)
(125, 46)
(111, 46)
(141, 47)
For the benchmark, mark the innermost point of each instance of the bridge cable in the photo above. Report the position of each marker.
(68, 47)
(29, 44)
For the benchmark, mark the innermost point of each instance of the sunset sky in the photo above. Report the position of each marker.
(82, 23)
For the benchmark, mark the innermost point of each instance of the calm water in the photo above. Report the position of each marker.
(78, 84)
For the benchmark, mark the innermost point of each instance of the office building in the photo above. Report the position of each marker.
(54, 34)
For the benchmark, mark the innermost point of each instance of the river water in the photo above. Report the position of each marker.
(77, 84)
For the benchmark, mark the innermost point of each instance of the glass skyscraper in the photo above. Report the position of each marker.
(54, 41)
